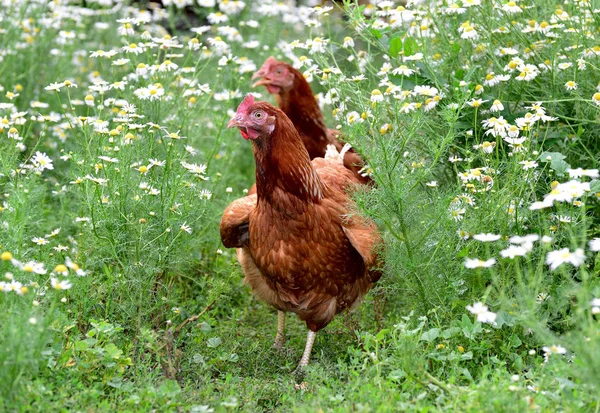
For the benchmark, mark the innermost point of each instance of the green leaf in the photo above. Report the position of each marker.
(515, 341)
(115, 382)
(560, 167)
(463, 253)
(467, 374)
(504, 319)
(449, 332)
(410, 46)
(395, 46)
(214, 342)
(517, 361)
(81, 345)
(376, 33)
(551, 156)
(112, 351)
(397, 375)
(381, 334)
(169, 388)
(556, 160)
(430, 335)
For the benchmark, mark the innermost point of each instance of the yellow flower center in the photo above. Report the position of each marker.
(60, 268)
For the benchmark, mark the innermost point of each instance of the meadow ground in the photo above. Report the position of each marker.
(479, 123)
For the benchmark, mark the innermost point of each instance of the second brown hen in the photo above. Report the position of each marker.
(296, 99)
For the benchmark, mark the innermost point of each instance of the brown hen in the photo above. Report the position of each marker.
(301, 247)
(296, 99)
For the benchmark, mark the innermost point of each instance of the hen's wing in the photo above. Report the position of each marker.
(234, 223)
(365, 239)
(361, 232)
(332, 172)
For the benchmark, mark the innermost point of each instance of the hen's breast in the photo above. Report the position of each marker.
(308, 259)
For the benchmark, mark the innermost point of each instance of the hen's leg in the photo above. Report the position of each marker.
(310, 340)
(299, 372)
(280, 337)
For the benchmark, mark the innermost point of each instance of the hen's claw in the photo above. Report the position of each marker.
(299, 374)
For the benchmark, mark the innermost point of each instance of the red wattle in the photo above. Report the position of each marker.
(273, 89)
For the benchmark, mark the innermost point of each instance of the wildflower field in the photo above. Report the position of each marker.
(479, 124)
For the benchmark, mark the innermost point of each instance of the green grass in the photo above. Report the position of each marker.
(128, 185)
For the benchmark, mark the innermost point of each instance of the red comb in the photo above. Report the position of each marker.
(266, 67)
(246, 103)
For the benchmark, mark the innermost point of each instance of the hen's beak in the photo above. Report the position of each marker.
(260, 73)
(235, 122)
(262, 82)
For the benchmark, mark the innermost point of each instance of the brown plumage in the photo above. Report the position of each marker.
(301, 247)
(296, 99)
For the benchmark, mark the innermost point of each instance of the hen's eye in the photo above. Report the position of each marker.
(258, 115)
(279, 71)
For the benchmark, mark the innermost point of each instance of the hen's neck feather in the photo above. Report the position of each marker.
(283, 166)
(300, 105)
